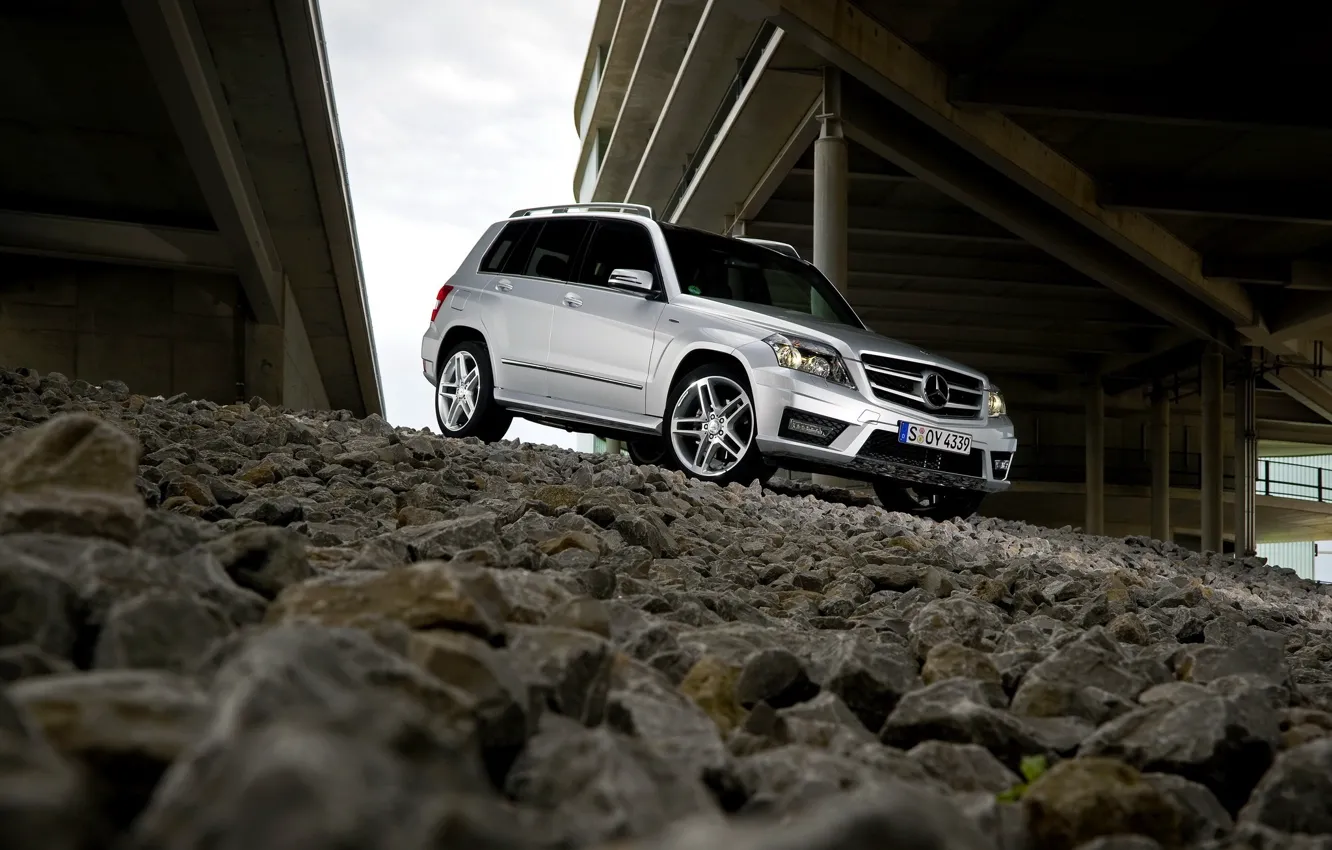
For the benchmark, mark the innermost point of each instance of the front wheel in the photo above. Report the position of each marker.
(711, 427)
(934, 503)
(465, 403)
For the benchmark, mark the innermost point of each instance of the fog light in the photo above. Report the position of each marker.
(809, 428)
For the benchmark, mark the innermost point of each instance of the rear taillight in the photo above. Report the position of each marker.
(439, 299)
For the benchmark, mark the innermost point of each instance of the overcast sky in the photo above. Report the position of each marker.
(454, 113)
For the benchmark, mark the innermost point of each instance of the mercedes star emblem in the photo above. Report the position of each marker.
(934, 389)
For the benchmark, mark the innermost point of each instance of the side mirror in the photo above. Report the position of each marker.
(636, 279)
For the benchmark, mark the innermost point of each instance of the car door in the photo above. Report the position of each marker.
(601, 336)
(521, 295)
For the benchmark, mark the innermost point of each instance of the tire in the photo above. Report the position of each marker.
(730, 453)
(649, 451)
(485, 419)
(934, 503)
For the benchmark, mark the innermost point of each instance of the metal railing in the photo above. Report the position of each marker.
(1294, 481)
(1133, 468)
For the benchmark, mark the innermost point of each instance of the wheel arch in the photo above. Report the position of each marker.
(698, 355)
(461, 333)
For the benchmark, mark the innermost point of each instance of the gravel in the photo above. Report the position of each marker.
(240, 627)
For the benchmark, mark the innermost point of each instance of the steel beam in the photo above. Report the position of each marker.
(173, 45)
(119, 242)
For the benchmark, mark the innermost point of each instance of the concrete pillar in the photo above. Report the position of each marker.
(1246, 463)
(1095, 459)
(614, 447)
(1213, 456)
(830, 201)
(1160, 447)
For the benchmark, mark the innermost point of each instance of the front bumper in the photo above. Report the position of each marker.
(807, 423)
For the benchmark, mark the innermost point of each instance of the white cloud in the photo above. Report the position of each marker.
(454, 113)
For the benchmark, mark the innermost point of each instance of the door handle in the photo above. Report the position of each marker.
(504, 286)
(572, 300)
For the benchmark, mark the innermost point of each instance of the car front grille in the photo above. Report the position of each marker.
(900, 381)
(883, 445)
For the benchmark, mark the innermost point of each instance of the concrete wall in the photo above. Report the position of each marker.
(162, 332)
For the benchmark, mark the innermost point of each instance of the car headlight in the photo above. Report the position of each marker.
(813, 358)
(997, 405)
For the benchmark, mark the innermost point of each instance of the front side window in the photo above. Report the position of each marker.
(556, 247)
(617, 245)
(712, 266)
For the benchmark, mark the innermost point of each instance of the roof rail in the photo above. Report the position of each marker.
(780, 247)
(633, 209)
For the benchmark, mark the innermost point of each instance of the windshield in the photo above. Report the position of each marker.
(724, 269)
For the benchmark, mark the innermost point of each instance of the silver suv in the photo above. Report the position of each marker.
(721, 357)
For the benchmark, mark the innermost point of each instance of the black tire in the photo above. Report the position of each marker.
(934, 503)
(751, 464)
(649, 451)
(488, 421)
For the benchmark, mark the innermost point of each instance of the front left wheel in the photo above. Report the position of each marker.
(465, 403)
(711, 427)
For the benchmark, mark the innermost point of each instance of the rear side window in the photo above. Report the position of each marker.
(617, 245)
(556, 248)
(511, 248)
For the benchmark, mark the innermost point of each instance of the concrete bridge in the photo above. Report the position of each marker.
(1119, 211)
(173, 203)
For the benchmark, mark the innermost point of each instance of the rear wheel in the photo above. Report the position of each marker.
(711, 427)
(465, 403)
(936, 503)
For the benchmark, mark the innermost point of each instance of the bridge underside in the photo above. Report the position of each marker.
(173, 207)
(1088, 203)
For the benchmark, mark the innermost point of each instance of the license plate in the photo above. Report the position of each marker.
(933, 438)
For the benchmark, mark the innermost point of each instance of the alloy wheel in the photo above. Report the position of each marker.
(459, 391)
(712, 426)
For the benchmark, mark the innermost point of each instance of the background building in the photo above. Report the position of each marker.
(1136, 263)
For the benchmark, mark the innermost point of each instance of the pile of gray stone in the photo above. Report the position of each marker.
(240, 627)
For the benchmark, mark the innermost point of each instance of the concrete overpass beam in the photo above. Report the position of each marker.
(1094, 500)
(279, 363)
(1161, 464)
(66, 238)
(1213, 456)
(1246, 462)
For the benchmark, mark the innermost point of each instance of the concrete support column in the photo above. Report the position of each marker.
(1160, 447)
(1095, 477)
(1246, 462)
(614, 447)
(830, 201)
(1213, 455)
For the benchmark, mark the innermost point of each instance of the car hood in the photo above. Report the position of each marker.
(847, 340)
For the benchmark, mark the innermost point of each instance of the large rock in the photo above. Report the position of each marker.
(72, 475)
